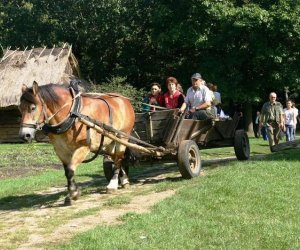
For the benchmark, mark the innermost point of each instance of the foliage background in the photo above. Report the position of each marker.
(247, 47)
(119, 85)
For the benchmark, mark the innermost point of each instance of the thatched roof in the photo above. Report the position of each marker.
(43, 65)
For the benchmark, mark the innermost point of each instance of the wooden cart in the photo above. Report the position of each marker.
(167, 135)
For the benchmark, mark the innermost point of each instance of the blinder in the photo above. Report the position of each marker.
(64, 126)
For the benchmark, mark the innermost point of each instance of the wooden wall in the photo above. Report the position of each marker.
(10, 125)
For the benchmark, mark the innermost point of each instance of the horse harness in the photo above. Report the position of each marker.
(67, 123)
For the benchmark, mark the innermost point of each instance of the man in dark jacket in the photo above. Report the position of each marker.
(272, 116)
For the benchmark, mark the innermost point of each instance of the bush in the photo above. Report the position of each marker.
(119, 85)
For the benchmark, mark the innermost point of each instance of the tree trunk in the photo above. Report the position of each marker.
(248, 119)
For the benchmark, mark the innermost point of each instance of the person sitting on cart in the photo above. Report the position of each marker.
(173, 98)
(155, 98)
(198, 100)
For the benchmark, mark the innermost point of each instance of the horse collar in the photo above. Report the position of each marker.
(68, 122)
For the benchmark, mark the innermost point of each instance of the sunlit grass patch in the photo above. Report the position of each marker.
(118, 200)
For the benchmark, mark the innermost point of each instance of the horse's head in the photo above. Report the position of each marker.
(32, 109)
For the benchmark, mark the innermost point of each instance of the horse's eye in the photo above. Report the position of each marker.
(32, 107)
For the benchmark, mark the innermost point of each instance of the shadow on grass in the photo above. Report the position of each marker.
(151, 174)
(35, 200)
(97, 184)
(29, 201)
(284, 155)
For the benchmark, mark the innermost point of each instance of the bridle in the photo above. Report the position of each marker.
(62, 126)
(38, 125)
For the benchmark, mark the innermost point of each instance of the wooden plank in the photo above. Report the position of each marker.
(225, 128)
(286, 145)
(162, 115)
(140, 127)
(192, 126)
(154, 123)
(140, 117)
(160, 124)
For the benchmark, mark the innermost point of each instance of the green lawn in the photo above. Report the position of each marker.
(235, 205)
(240, 205)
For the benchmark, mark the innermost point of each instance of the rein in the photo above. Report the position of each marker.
(38, 125)
(67, 123)
(48, 119)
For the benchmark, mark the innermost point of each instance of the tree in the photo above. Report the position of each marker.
(247, 47)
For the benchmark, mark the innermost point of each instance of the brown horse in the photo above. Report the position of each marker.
(51, 106)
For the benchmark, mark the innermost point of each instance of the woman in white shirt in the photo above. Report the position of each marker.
(290, 121)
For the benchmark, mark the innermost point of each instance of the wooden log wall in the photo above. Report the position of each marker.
(10, 125)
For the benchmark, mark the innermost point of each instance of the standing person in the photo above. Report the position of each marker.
(218, 101)
(290, 121)
(198, 99)
(155, 98)
(256, 125)
(217, 94)
(264, 133)
(210, 87)
(272, 116)
(296, 118)
(180, 89)
(173, 98)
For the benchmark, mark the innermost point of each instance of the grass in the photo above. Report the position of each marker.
(243, 205)
(24, 180)
(15, 238)
(27, 155)
(118, 201)
(234, 205)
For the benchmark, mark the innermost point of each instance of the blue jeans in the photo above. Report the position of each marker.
(289, 132)
(203, 114)
(264, 133)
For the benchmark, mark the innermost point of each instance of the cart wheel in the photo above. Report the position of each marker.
(109, 167)
(189, 161)
(241, 145)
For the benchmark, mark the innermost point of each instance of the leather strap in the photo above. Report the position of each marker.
(68, 122)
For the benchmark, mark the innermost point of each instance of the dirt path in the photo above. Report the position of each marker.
(35, 227)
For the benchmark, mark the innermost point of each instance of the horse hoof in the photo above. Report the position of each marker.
(126, 185)
(111, 190)
(76, 195)
(68, 201)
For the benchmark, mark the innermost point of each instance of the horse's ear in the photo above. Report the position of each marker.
(35, 87)
(24, 88)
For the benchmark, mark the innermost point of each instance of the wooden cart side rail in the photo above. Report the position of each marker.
(236, 118)
(200, 131)
(153, 127)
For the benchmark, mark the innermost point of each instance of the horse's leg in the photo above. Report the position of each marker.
(119, 172)
(124, 178)
(74, 160)
(73, 189)
(113, 183)
(118, 157)
(123, 175)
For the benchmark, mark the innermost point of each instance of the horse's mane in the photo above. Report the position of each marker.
(46, 92)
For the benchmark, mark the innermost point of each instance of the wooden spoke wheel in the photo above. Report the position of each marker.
(189, 161)
(241, 145)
